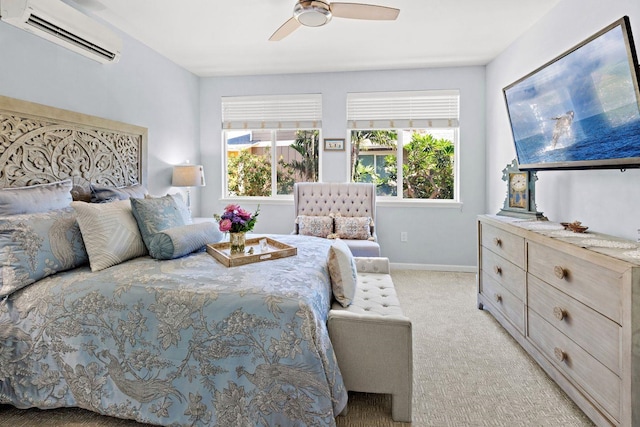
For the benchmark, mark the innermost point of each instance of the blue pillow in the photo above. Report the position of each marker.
(180, 241)
(36, 198)
(182, 206)
(154, 215)
(104, 193)
(38, 245)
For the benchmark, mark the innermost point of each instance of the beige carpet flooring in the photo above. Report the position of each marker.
(467, 370)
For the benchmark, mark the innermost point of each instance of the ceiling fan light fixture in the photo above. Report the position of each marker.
(312, 13)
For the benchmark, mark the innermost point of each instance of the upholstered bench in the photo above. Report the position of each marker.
(372, 338)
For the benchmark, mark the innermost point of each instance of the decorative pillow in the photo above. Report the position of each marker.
(180, 241)
(319, 226)
(105, 193)
(36, 198)
(353, 227)
(343, 272)
(182, 206)
(156, 214)
(110, 233)
(37, 245)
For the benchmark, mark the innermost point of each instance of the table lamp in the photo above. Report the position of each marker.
(188, 175)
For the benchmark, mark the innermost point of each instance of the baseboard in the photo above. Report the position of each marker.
(434, 267)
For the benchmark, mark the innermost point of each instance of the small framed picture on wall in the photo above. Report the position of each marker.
(334, 144)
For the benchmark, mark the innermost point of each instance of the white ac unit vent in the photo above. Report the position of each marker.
(63, 25)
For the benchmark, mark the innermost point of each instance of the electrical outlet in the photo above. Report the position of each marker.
(403, 236)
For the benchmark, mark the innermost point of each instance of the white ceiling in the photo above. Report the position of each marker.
(230, 37)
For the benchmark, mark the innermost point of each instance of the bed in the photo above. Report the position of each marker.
(183, 341)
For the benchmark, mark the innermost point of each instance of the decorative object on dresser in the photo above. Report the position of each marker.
(572, 301)
(188, 175)
(521, 193)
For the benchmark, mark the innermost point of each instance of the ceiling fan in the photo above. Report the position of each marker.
(315, 13)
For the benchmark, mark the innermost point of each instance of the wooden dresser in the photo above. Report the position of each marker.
(573, 302)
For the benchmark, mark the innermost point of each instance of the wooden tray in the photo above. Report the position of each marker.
(222, 252)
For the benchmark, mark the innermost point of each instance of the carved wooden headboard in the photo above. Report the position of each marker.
(40, 144)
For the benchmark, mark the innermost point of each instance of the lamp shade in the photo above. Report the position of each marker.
(188, 176)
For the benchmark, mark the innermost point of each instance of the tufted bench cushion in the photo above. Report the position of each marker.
(349, 199)
(372, 338)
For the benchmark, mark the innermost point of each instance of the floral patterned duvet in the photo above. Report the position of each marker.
(179, 342)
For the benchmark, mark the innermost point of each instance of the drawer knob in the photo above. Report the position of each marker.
(559, 313)
(497, 269)
(497, 241)
(497, 297)
(560, 272)
(560, 355)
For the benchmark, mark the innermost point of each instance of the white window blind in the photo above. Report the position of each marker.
(272, 112)
(394, 110)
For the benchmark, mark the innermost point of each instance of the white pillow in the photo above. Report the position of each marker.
(343, 272)
(110, 233)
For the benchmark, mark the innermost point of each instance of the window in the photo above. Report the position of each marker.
(405, 142)
(271, 143)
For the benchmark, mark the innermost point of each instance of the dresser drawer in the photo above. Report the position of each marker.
(598, 335)
(503, 243)
(502, 271)
(591, 284)
(595, 378)
(504, 301)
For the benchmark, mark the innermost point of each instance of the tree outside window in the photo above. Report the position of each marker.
(426, 160)
(251, 154)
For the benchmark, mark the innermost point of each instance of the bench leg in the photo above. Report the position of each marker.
(401, 407)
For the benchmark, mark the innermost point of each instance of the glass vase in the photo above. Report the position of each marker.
(237, 241)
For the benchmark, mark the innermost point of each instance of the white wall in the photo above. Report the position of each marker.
(143, 89)
(607, 201)
(437, 236)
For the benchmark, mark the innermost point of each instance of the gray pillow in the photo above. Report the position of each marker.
(180, 241)
(36, 198)
(105, 193)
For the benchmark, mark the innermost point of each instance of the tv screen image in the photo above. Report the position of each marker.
(582, 109)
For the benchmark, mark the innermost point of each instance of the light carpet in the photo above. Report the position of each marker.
(467, 370)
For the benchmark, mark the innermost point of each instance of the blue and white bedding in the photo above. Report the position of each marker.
(178, 342)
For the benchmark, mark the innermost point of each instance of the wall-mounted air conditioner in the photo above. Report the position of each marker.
(63, 25)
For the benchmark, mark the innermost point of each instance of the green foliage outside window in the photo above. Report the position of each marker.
(307, 169)
(249, 174)
(427, 168)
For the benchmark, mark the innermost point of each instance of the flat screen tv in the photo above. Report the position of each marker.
(582, 109)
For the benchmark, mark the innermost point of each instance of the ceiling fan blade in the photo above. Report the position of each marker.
(364, 11)
(285, 29)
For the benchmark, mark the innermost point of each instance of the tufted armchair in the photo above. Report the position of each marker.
(340, 200)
